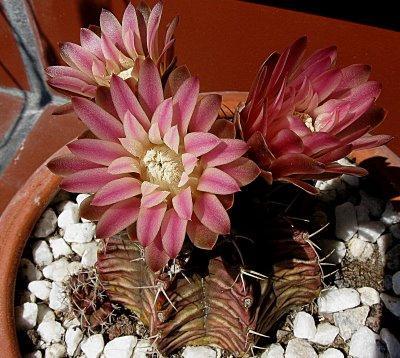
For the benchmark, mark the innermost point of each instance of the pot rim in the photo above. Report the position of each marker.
(32, 199)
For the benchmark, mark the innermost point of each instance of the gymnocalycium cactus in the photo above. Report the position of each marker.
(164, 163)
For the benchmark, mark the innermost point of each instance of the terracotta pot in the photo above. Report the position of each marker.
(24, 210)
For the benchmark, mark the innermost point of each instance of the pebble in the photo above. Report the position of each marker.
(350, 320)
(395, 230)
(351, 180)
(46, 224)
(93, 346)
(121, 347)
(81, 197)
(89, 257)
(362, 213)
(28, 271)
(392, 344)
(365, 344)
(81, 232)
(69, 216)
(59, 270)
(41, 253)
(59, 247)
(71, 322)
(41, 289)
(390, 216)
(51, 331)
(143, 349)
(275, 350)
(396, 283)
(26, 316)
(360, 249)
(199, 352)
(45, 313)
(35, 354)
(370, 231)
(299, 348)
(331, 353)
(325, 334)
(346, 221)
(56, 350)
(304, 326)
(384, 242)
(73, 337)
(369, 296)
(393, 258)
(338, 299)
(57, 297)
(375, 205)
(391, 303)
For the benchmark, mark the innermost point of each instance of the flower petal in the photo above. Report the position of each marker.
(189, 162)
(156, 257)
(184, 179)
(149, 223)
(199, 143)
(148, 188)
(100, 122)
(285, 142)
(173, 232)
(154, 198)
(216, 181)
(77, 57)
(290, 164)
(133, 146)
(91, 42)
(110, 26)
(243, 170)
(91, 212)
(223, 128)
(205, 113)
(118, 217)
(183, 204)
(227, 151)
(87, 181)
(171, 138)
(154, 134)
(133, 129)
(124, 165)
(212, 214)
(68, 164)
(163, 115)
(201, 237)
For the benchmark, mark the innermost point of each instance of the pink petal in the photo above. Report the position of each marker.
(118, 217)
(183, 204)
(175, 80)
(124, 165)
(69, 164)
(66, 71)
(129, 28)
(227, 151)
(290, 164)
(156, 257)
(117, 190)
(171, 138)
(152, 30)
(77, 57)
(205, 113)
(353, 76)
(154, 198)
(91, 42)
(104, 100)
(371, 141)
(149, 223)
(149, 87)
(216, 181)
(163, 115)
(133, 129)
(212, 213)
(223, 128)
(111, 53)
(101, 123)
(110, 26)
(133, 146)
(154, 134)
(125, 101)
(189, 162)
(184, 179)
(326, 83)
(173, 232)
(243, 170)
(184, 103)
(285, 142)
(148, 188)
(199, 143)
(87, 181)
(91, 212)
(97, 151)
(74, 85)
(201, 237)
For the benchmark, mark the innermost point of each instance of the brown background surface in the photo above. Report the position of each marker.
(222, 41)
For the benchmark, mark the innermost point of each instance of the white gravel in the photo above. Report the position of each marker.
(304, 326)
(338, 299)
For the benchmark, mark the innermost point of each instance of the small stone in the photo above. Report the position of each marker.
(73, 336)
(304, 326)
(350, 320)
(142, 349)
(45, 313)
(391, 303)
(89, 257)
(93, 346)
(59, 247)
(41, 289)
(390, 216)
(384, 242)
(396, 283)
(68, 216)
(370, 231)
(299, 348)
(326, 334)
(81, 197)
(392, 344)
(82, 232)
(395, 231)
(365, 344)
(35, 354)
(351, 180)
(41, 253)
(56, 350)
(393, 258)
(59, 270)
(71, 322)
(199, 352)
(331, 353)
(369, 296)
(46, 224)
(338, 299)
(26, 316)
(51, 331)
(275, 350)
(121, 347)
(360, 249)
(28, 271)
(362, 213)
(64, 205)
(346, 221)
(375, 205)
(57, 299)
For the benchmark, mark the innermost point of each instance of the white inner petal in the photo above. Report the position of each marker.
(307, 120)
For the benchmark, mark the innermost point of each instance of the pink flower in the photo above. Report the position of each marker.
(162, 167)
(302, 116)
(113, 48)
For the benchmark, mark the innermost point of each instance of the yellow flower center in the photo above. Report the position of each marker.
(126, 73)
(307, 120)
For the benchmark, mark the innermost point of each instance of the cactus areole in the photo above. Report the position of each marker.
(182, 187)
